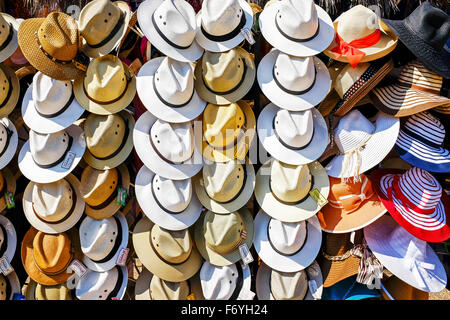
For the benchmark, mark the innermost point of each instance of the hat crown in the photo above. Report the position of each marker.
(173, 195)
(408, 246)
(356, 23)
(174, 141)
(294, 73)
(3, 284)
(220, 17)
(288, 285)
(294, 128)
(218, 282)
(97, 285)
(98, 185)
(427, 127)
(348, 77)
(290, 183)
(58, 292)
(354, 192)
(47, 148)
(353, 131)
(5, 84)
(50, 95)
(171, 246)
(297, 19)
(287, 238)
(336, 244)
(52, 201)
(51, 252)
(3, 136)
(223, 180)
(98, 237)
(166, 290)
(5, 29)
(415, 73)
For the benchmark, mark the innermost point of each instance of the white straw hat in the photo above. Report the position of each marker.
(9, 43)
(107, 285)
(8, 239)
(8, 141)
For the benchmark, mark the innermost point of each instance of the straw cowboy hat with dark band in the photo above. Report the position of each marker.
(8, 36)
(10, 90)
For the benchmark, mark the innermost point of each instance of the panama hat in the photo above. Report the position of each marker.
(103, 240)
(286, 246)
(172, 96)
(109, 139)
(52, 45)
(53, 207)
(10, 93)
(8, 239)
(107, 87)
(395, 289)
(171, 150)
(7, 185)
(37, 291)
(293, 83)
(218, 236)
(362, 143)
(49, 105)
(222, 25)
(327, 105)
(298, 28)
(360, 37)
(170, 26)
(224, 187)
(50, 157)
(228, 131)
(171, 204)
(8, 37)
(103, 24)
(46, 257)
(106, 285)
(350, 289)
(294, 137)
(284, 191)
(224, 77)
(415, 199)
(410, 259)
(170, 255)
(301, 285)
(9, 141)
(9, 286)
(225, 282)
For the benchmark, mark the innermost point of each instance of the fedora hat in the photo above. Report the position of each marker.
(410, 259)
(8, 239)
(10, 90)
(351, 206)
(360, 37)
(395, 289)
(8, 37)
(104, 285)
(103, 240)
(9, 141)
(294, 137)
(171, 204)
(287, 246)
(425, 32)
(298, 28)
(49, 105)
(171, 150)
(275, 285)
(103, 24)
(224, 187)
(109, 139)
(224, 77)
(50, 157)
(170, 255)
(228, 131)
(284, 191)
(170, 26)
(362, 143)
(46, 257)
(7, 184)
(218, 236)
(37, 291)
(9, 286)
(293, 83)
(421, 143)
(222, 25)
(350, 289)
(415, 199)
(172, 96)
(53, 207)
(225, 282)
(100, 190)
(52, 45)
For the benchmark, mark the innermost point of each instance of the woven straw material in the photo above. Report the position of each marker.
(14, 98)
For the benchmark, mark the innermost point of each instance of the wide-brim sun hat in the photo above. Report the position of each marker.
(13, 97)
(12, 143)
(12, 44)
(10, 186)
(10, 239)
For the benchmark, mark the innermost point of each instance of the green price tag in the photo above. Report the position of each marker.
(121, 196)
(318, 197)
(9, 198)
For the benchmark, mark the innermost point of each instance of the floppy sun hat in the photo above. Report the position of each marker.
(9, 141)
(7, 184)
(106, 285)
(8, 239)
(9, 286)
(8, 38)
(10, 90)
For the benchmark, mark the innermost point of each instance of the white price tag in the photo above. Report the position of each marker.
(246, 256)
(248, 35)
(313, 289)
(68, 160)
(122, 257)
(78, 267)
(5, 266)
(246, 294)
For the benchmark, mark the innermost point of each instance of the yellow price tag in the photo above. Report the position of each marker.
(318, 197)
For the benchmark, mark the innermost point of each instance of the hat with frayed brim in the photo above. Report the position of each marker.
(12, 97)
(9, 186)
(10, 44)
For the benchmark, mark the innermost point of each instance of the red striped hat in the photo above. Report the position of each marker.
(415, 200)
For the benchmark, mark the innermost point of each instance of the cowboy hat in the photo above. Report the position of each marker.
(37, 291)
(8, 239)
(172, 96)
(7, 185)
(105, 285)
(9, 286)
(10, 93)
(9, 141)
(8, 37)
(47, 158)
(395, 289)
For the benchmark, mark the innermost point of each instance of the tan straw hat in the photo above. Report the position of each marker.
(37, 291)
(10, 90)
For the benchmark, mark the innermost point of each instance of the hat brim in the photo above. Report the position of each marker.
(376, 148)
(238, 93)
(222, 46)
(291, 102)
(14, 282)
(41, 124)
(144, 13)
(378, 237)
(113, 206)
(218, 259)
(11, 235)
(53, 228)
(115, 40)
(158, 215)
(122, 155)
(123, 286)
(10, 152)
(47, 175)
(158, 108)
(273, 145)
(303, 49)
(15, 94)
(13, 44)
(231, 206)
(11, 185)
(263, 289)
(336, 271)
(287, 263)
(286, 212)
(157, 266)
(154, 162)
